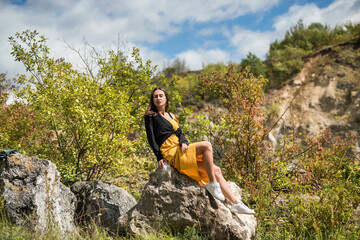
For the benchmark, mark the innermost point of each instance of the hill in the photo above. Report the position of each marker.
(324, 94)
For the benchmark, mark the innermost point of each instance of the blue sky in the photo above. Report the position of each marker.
(198, 31)
(190, 37)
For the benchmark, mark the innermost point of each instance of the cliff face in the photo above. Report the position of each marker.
(324, 94)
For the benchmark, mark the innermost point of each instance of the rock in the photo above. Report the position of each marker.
(174, 200)
(312, 105)
(327, 103)
(101, 202)
(322, 81)
(296, 82)
(34, 196)
(294, 166)
(282, 202)
(354, 109)
(346, 86)
(356, 217)
(270, 137)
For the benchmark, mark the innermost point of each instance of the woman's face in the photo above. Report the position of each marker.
(159, 98)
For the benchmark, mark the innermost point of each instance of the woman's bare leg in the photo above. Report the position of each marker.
(214, 173)
(205, 149)
(223, 184)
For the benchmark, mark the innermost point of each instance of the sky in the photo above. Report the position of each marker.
(197, 31)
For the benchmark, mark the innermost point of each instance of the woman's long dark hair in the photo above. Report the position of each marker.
(151, 109)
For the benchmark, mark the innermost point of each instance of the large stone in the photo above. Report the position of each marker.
(102, 203)
(174, 200)
(34, 196)
(356, 217)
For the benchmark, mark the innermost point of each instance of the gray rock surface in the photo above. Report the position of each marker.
(33, 194)
(102, 203)
(356, 217)
(175, 200)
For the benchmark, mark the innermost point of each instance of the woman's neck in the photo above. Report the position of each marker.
(161, 111)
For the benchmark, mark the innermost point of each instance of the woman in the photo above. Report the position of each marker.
(169, 145)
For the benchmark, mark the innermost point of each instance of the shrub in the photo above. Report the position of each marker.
(285, 57)
(239, 130)
(257, 67)
(93, 116)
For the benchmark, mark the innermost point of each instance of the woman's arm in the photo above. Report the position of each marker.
(184, 144)
(149, 126)
(182, 138)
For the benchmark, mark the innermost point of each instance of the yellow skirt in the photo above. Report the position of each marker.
(185, 163)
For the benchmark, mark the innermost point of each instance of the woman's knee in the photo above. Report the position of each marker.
(208, 145)
(202, 147)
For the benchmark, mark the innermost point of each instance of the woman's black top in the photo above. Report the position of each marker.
(158, 129)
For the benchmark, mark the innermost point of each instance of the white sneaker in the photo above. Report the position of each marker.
(215, 190)
(241, 208)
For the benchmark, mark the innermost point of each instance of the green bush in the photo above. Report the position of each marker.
(285, 57)
(317, 199)
(257, 67)
(240, 129)
(92, 116)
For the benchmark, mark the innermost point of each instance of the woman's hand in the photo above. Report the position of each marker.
(161, 163)
(184, 147)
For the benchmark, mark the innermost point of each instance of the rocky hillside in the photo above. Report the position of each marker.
(324, 94)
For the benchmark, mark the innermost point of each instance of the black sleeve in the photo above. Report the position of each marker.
(151, 137)
(181, 136)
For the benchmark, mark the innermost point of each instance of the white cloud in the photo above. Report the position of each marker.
(339, 12)
(139, 21)
(195, 59)
(246, 41)
(144, 22)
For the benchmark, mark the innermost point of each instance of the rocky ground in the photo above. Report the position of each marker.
(324, 94)
(33, 196)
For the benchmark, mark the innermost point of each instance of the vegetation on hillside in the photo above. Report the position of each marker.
(284, 58)
(89, 123)
(85, 122)
(298, 189)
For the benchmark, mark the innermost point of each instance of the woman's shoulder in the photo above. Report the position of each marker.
(150, 114)
(172, 115)
(149, 117)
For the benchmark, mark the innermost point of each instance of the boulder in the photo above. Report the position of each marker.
(294, 166)
(102, 203)
(34, 196)
(174, 200)
(356, 217)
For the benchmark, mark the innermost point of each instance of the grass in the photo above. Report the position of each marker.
(8, 231)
